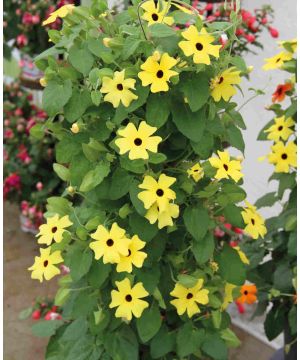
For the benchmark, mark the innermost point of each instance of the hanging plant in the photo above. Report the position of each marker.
(145, 106)
(276, 277)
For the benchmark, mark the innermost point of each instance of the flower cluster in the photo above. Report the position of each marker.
(42, 309)
(250, 28)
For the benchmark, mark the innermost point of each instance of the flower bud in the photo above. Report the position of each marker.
(70, 189)
(75, 128)
(39, 186)
(274, 32)
(43, 82)
(106, 42)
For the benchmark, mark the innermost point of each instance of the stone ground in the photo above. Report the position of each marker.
(20, 291)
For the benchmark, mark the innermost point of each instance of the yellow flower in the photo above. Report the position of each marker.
(44, 265)
(196, 172)
(106, 41)
(153, 14)
(110, 244)
(228, 298)
(277, 61)
(199, 44)
(138, 141)
(128, 299)
(59, 13)
(53, 229)
(187, 298)
(118, 89)
(281, 129)
(283, 156)
(43, 82)
(157, 192)
(292, 43)
(255, 224)
(221, 86)
(226, 167)
(157, 73)
(75, 128)
(135, 256)
(164, 218)
(242, 255)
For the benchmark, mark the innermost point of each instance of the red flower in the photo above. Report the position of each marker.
(52, 316)
(250, 38)
(8, 134)
(35, 19)
(274, 32)
(22, 40)
(209, 7)
(18, 112)
(264, 20)
(279, 94)
(27, 18)
(36, 315)
(238, 230)
(239, 32)
(241, 307)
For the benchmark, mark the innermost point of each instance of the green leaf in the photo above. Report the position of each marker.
(130, 46)
(239, 63)
(292, 317)
(292, 244)
(149, 323)
(230, 338)
(231, 267)
(204, 146)
(136, 202)
(196, 89)
(46, 328)
(188, 340)
(196, 219)
(187, 281)
(61, 296)
(190, 124)
(75, 330)
(95, 177)
(61, 171)
(282, 277)
(80, 263)
(37, 131)
(267, 200)
(233, 215)
(55, 96)
(204, 249)
(162, 343)
(157, 109)
(157, 158)
(161, 30)
(235, 137)
(119, 184)
(24, 314)
(59, 205)
(215, 347)
(274, 322)
(141, 226)
(77, 105)
(81, 59)
(98, 273)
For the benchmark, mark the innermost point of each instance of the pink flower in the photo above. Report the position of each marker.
(29, 97)
(241, 307)
(18, 12)
(250, 38)
(209, 7)
(223, 40)
(218, 232)
(246, 15)
(65, 270)
(228, 226)
(35, 19)
(27, 18)
(18, 112)
(264, 20)
(41, 114)
(5, 155)
(8, 134)
(20, 128)
(13, 181)
(233, 243)
(238, 230)
(52, 316)
(239, 32)
(24, 205)
(6, 122)
(39, 186)
(36, 315)
(29, 125)
(22, 63)
(217, 13)
(274, 32)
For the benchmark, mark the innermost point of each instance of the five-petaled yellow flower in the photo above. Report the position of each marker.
(283, 156)
(226, 167)
(128, 299)
(164, 218)
(118, 89)
(189, 298)
(157, 192)
(110, 245)
(53, 229)
(222, 85)
(281, 129)
(255, 224)
(199, 44)
(138, 141)
(196, 172)
(135, 256)
(157, 72)
(153, 14)
(44, 265)
(59, 13)
(277, 61)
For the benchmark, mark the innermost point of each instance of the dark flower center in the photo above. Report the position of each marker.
(225, 167)
(54, 229)
(109, 242)
(221, 80)
(128, 298)
(138, 142)
(199, 46)
(46, 263)
(278, 59)
(120, 87)
(245, 292)
(159, 192)
(284, 156)
(196, 170)
(129, 253)
(252, 221)
(279, 91)
(189, 296)
(160, 74)
(280, 128)
(154, 17)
